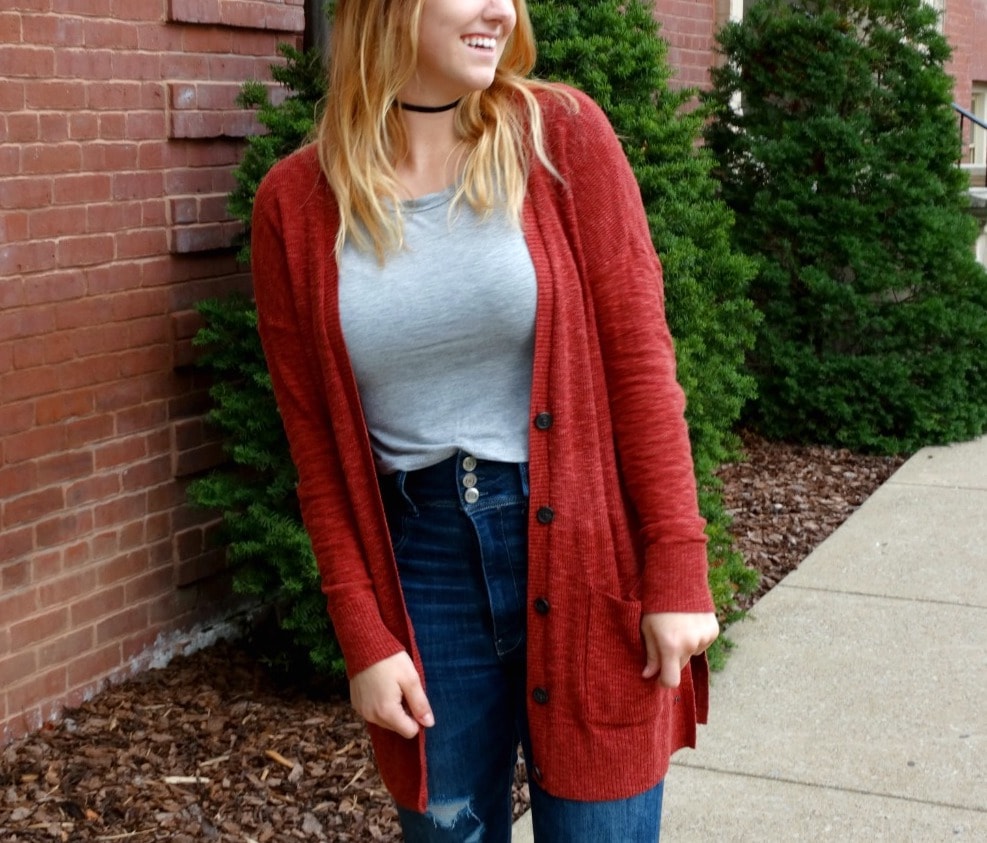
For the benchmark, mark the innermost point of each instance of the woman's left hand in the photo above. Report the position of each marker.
(672, 638)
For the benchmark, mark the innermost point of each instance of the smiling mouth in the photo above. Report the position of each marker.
(480, 43)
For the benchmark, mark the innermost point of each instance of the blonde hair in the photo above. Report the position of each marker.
(361, 135)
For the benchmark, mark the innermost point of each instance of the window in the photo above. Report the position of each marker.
(976, 150)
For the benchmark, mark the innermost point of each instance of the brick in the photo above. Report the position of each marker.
(131, 536)
(23, 127)
(85, 250)
(42, 686)
(141, 243)
(32, 506)
(98, 664)
(113, 95)
(17, 480)
(112, 34)
(123, 623)
(110, 157)
(57, 221)
(92, 489)
(17, 667)
(203, 238)
(58, 30)
(53, 95)
(96, 66)
(67, 647)
(64, 405)
(38, 628)
(121, 452)
(26, 61)
(143, 418)
(120, 510)
(67, 589)
(80, 189)
(54, 286)
(25, 193)
(197, 460)
(45, 159)
(75, 555)
(22, 258)
(83, 126)
(194, 11)
(136, 10)
(112, 125)
(63, 467)
(16, 575)
(101, 280)
(26, 322)
(88, 431)
(34, 443)
(63, 528)
(91, 371)
(115, 216)
(29, 353)
(46, 564)
(138, 185)
(54, 127)
(146, 125)
(17, 606)
(148, 474)
(104, 545)
(28, 383)
(89, 608)
(150, 585)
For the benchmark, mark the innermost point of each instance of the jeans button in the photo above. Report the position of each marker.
(469, 463)
(472, 495)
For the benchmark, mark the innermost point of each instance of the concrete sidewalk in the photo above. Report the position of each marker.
(854, 707)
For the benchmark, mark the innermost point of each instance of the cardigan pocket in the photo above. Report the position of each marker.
(615, 692)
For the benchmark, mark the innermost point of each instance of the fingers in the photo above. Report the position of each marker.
(671, 639)
(390, 694)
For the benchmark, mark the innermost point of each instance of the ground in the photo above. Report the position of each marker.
(218, 747)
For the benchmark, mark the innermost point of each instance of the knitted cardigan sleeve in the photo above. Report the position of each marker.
(647, 404)
(285, 268)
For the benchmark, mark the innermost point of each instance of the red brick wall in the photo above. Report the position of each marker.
(689, 27)
(118, 133)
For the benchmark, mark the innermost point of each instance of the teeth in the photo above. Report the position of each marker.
(485, 43)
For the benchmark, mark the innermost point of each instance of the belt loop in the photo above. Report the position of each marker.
(523, 469)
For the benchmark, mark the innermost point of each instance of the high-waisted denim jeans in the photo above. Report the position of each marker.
(460, 537)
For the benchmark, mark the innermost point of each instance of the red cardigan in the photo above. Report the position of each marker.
(614, 526)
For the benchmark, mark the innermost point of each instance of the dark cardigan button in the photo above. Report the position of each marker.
(542, 606)
(543, 421)
(540, 696)
(545, 515)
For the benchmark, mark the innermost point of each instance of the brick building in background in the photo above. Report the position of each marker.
(118, 136)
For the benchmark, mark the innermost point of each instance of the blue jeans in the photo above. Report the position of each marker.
(459, 530)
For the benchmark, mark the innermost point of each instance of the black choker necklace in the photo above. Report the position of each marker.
(427, 109)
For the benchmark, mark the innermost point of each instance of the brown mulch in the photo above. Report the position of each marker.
(219, 747)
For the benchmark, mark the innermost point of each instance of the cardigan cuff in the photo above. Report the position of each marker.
(675, 579)
(362, 634)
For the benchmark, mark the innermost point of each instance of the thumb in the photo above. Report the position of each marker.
(415, 699)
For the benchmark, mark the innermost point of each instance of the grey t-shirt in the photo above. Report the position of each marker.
(441, 337)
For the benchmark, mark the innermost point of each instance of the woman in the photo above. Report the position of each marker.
(462, 313)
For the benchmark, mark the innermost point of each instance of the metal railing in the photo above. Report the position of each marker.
(977, 121)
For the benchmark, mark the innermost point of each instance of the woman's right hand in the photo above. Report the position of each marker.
(390, 694)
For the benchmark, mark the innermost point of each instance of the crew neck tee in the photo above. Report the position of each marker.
(441, 337)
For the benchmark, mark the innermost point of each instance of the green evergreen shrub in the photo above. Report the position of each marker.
(840, 166)
(613, 52)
